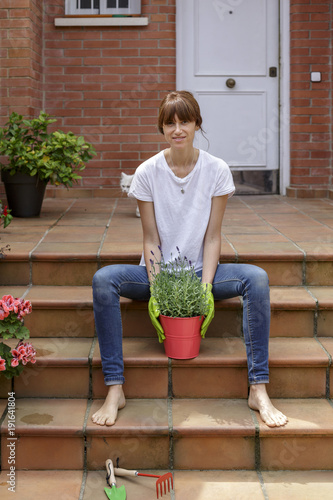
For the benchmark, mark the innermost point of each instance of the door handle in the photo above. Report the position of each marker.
(230, 83)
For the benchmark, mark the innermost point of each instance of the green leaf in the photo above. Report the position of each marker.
(4, 350)
(23, 333)
(7, 220)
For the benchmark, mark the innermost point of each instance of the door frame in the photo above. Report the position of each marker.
(284, 86)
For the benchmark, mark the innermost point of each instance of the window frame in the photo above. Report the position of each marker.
(134, 7)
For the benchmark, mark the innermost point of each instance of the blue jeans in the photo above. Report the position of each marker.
(230, 280)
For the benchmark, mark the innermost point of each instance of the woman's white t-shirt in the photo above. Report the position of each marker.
(182, 217)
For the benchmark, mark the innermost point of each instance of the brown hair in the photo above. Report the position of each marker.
(180, 103)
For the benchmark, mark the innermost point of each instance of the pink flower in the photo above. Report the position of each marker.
(8, 303)
(26, 352)
(16, 305)
(27, 306)
(3, 314)
(17, 356)
(24, 308)
(2, 364)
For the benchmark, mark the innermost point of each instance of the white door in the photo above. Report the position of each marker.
(228, 56)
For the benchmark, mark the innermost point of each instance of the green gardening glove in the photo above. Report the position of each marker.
(211, 310)
(154, 313)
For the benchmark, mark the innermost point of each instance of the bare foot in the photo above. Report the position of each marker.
(259, 401)
(115, 400)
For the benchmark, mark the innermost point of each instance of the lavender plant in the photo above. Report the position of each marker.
(177, 289)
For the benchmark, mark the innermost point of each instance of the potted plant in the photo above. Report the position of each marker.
(13, 360)
(182, 303)
(36, 157)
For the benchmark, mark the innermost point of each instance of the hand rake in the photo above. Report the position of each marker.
(163, 482)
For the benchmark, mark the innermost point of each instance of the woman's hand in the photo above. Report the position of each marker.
(211, 308)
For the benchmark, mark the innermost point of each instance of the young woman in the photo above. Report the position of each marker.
(182, 193)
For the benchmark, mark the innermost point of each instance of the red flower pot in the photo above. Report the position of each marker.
(182, 336)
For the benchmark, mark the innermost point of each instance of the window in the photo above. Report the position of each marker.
(95, 7)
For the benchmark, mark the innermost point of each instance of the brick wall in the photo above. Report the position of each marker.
(311, 103)
(21, 57)
(106, 84)
(21, 46)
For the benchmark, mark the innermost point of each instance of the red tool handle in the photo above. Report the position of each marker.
(148, 475)
(125, 472)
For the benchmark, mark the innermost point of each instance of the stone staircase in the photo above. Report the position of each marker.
(190, 417)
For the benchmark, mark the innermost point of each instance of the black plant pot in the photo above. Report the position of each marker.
(25, 193)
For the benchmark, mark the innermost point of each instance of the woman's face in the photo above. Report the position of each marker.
(179, 134)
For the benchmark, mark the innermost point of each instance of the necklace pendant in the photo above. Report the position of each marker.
(182, 191)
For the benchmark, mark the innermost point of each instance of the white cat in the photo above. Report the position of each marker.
(125, 184)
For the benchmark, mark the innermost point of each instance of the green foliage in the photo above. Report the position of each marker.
(5, 215)
(56, 157)
(13, 328)
(177, 289)
(6, 354)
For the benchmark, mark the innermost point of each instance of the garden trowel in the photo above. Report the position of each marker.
(113, 493)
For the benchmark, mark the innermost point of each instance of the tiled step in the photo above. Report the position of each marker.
(188, 485)
(66, 311)
(159, 434)
(207, 427)
(74, 264)
(41, 485)
(290, 239)
(180, 414)
(223, 485)
(49, 434)
(71, 368)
